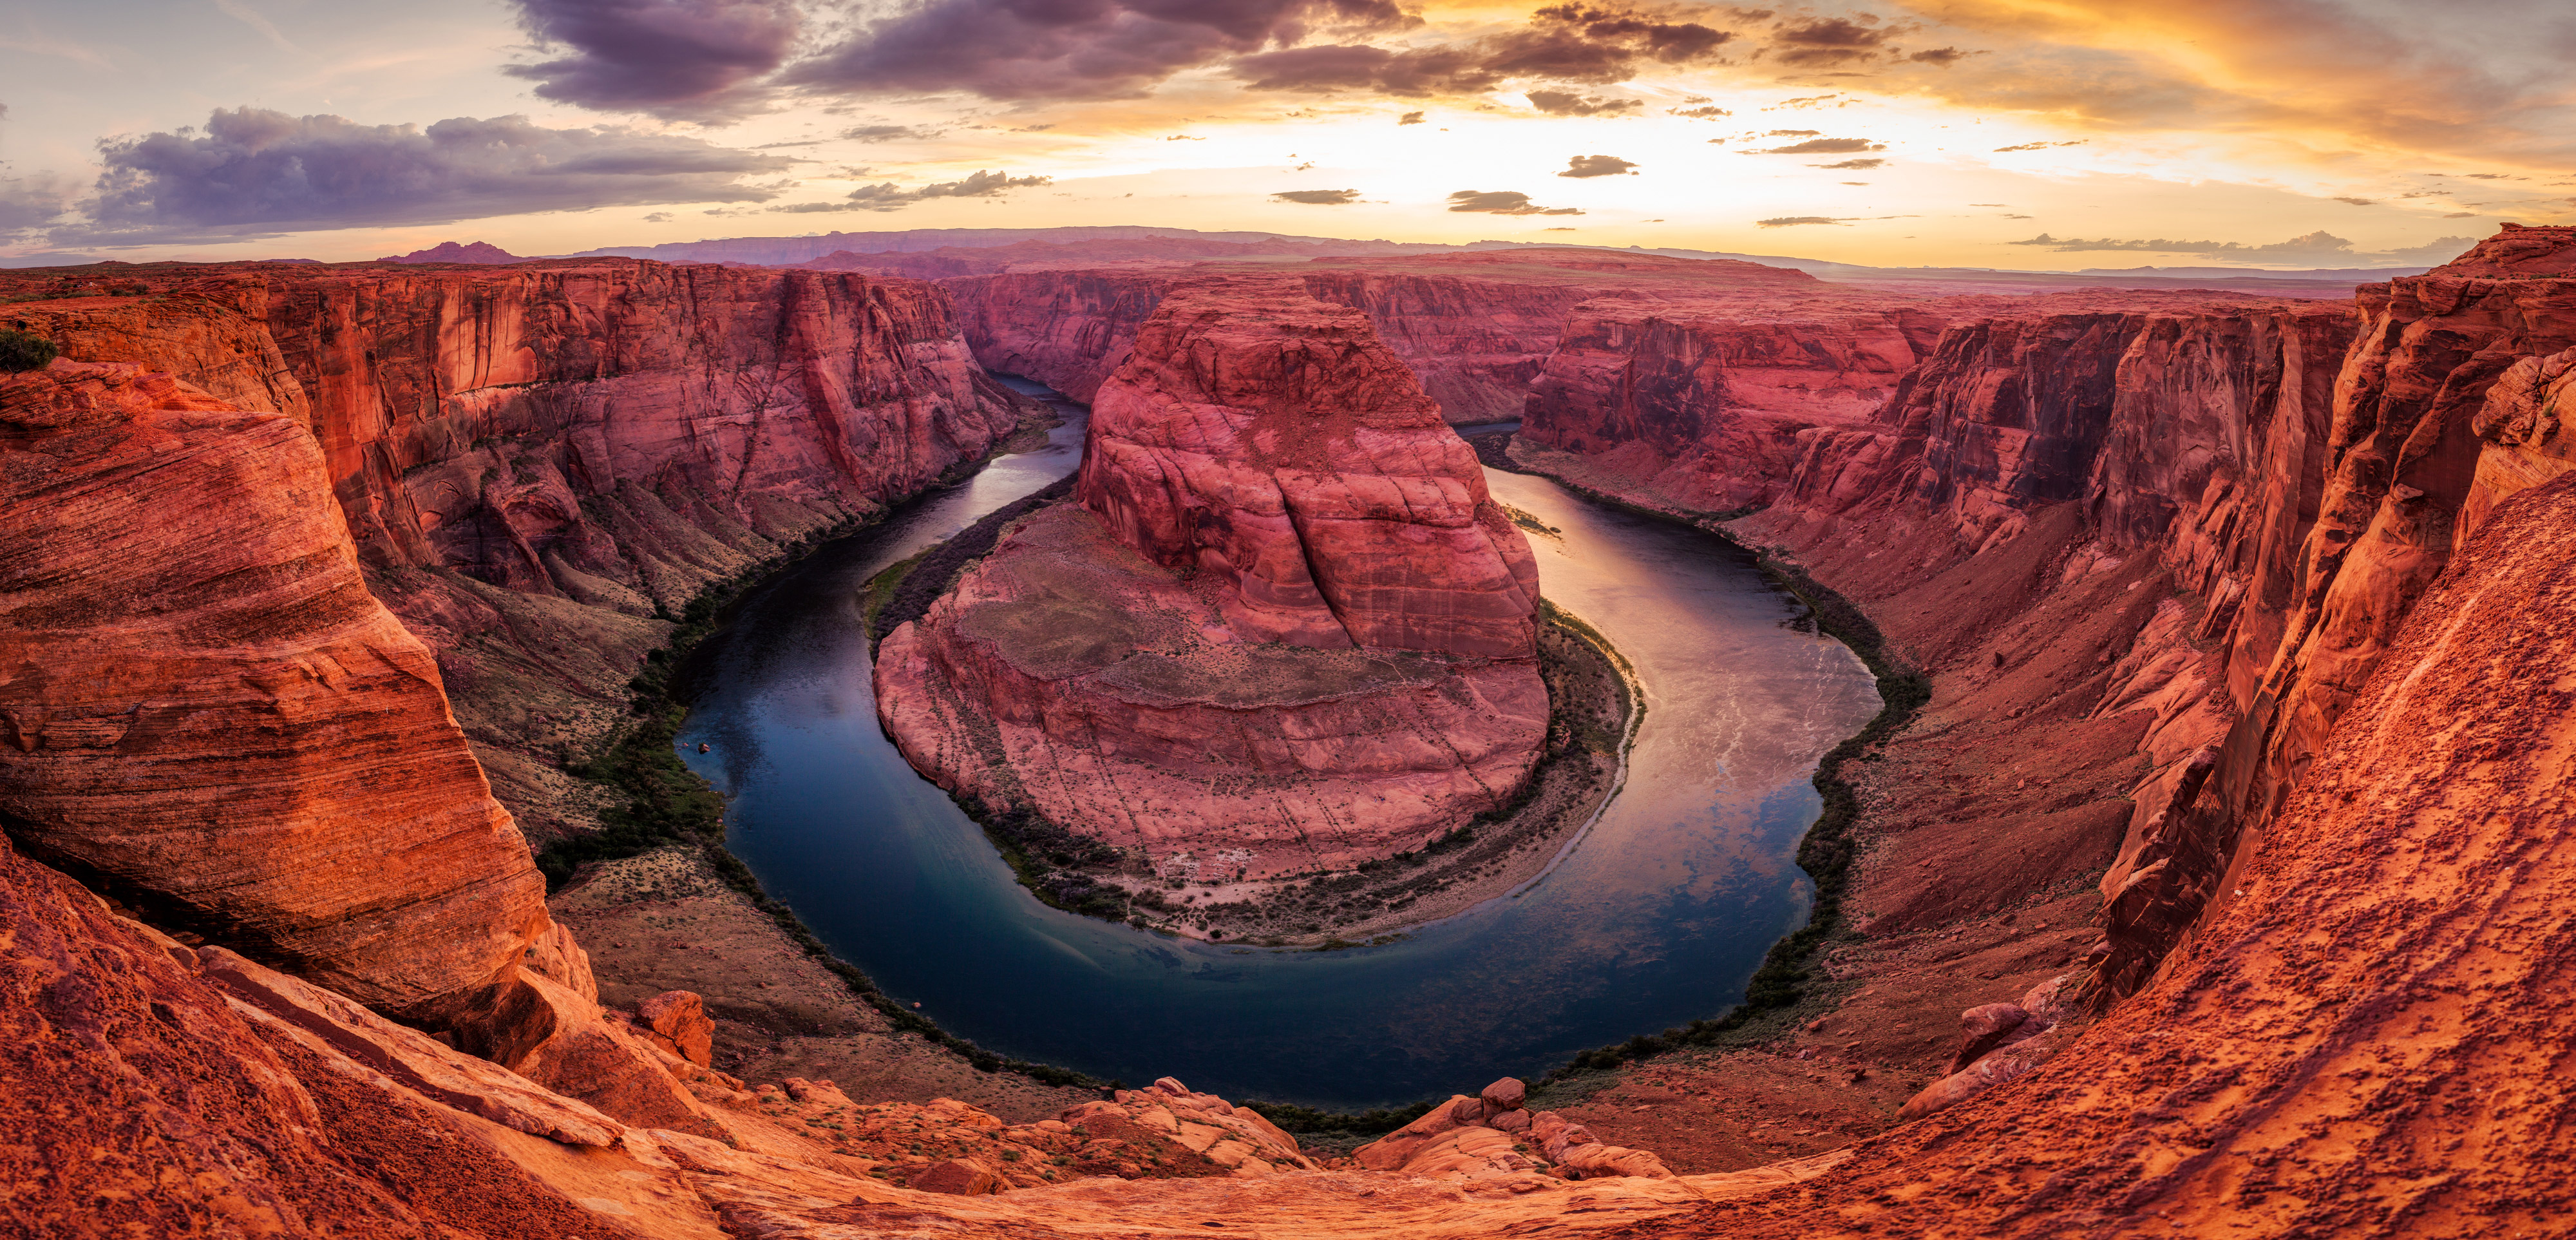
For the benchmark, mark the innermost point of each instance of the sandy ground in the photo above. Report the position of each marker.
(663, 921)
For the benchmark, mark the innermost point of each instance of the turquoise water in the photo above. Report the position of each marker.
(1657, 917)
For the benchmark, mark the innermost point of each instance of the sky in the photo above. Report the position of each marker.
(2028, 134)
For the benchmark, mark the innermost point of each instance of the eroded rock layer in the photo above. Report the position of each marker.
(543, 463)
(1475, 327)
(1283, 627)
(211, 714)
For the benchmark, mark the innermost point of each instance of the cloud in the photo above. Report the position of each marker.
(1319, 197)
(887, 196)
(1825, 42)
(1792, 221)
(1409, 118)
(1562, 43)
(694, 60)
(1856, 165)
(1823, 146)
(2316, 249)
(1071, 49)
(1502, 202)
(1942, 56)
(256, 172)
(1597, 166)
(888, 133)
(2038, 146)
(1184, 137)
(252, 18)
(2358, 202)
(658, 217)
(1567, 103)
(1793, 133)
(1698, 114)
(33, 201)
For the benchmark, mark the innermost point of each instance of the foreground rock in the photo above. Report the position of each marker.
(205, 709)
(1285, 628)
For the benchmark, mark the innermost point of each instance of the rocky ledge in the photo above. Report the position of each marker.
(1283, 629)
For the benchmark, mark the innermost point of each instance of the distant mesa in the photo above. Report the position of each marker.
(479, 252)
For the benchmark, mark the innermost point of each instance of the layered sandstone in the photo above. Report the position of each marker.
(206, 709)
(1283, 628)
(1475, 328)
(542, 464)
(2355, 1041)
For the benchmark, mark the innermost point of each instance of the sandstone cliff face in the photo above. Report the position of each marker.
(2354, 1042)
(542, 463)
(1284, 628)
(1475, 328)
(1706, 403)
(206, 709)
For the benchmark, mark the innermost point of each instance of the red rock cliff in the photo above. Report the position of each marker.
(1475, 327)
(1284, 628)
(541, 463)
(204, 708)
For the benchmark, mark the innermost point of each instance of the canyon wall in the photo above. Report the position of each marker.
(2275, 483)
(541, 464)
(213, 718)
(1475, 328)
(1283, 626)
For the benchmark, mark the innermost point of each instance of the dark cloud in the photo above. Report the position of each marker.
(889, 133)
(1319, 197)
(2317, 249)
(699, 60)
(2358, 202)
(1855, 165)
(1824, 146)
(1567, 103)
(658, 217)
(1409, 118)
(2038, 146)
(1699, 114)
(887, 196)
(1942, 56)
(1071, 49)
(1562, 43)
(1502, 202)
(1598, 166)
(253, 171)
(1826, 41)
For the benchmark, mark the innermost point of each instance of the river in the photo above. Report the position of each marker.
(1658, 917)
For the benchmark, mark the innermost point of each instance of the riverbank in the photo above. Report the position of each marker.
(1595, 707)
(1968, 836)
(660, 903)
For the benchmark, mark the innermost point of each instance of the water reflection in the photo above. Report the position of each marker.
(1658, 918)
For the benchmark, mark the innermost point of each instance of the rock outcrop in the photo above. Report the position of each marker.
(1284, 627)
(205, 709)
(1489, 1139)
(541, 464)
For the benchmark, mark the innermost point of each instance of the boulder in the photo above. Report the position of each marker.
(679, 1024)
(961, 1177)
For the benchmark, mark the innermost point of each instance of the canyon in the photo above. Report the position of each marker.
(2229, 820)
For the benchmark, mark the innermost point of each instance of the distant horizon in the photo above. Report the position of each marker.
(1150, 231)
(2014, 135)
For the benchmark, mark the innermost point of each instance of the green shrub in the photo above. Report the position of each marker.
(21, 351)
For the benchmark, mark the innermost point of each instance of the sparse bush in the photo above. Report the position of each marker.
(22, 351)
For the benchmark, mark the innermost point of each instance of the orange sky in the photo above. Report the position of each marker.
(2263, 132)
